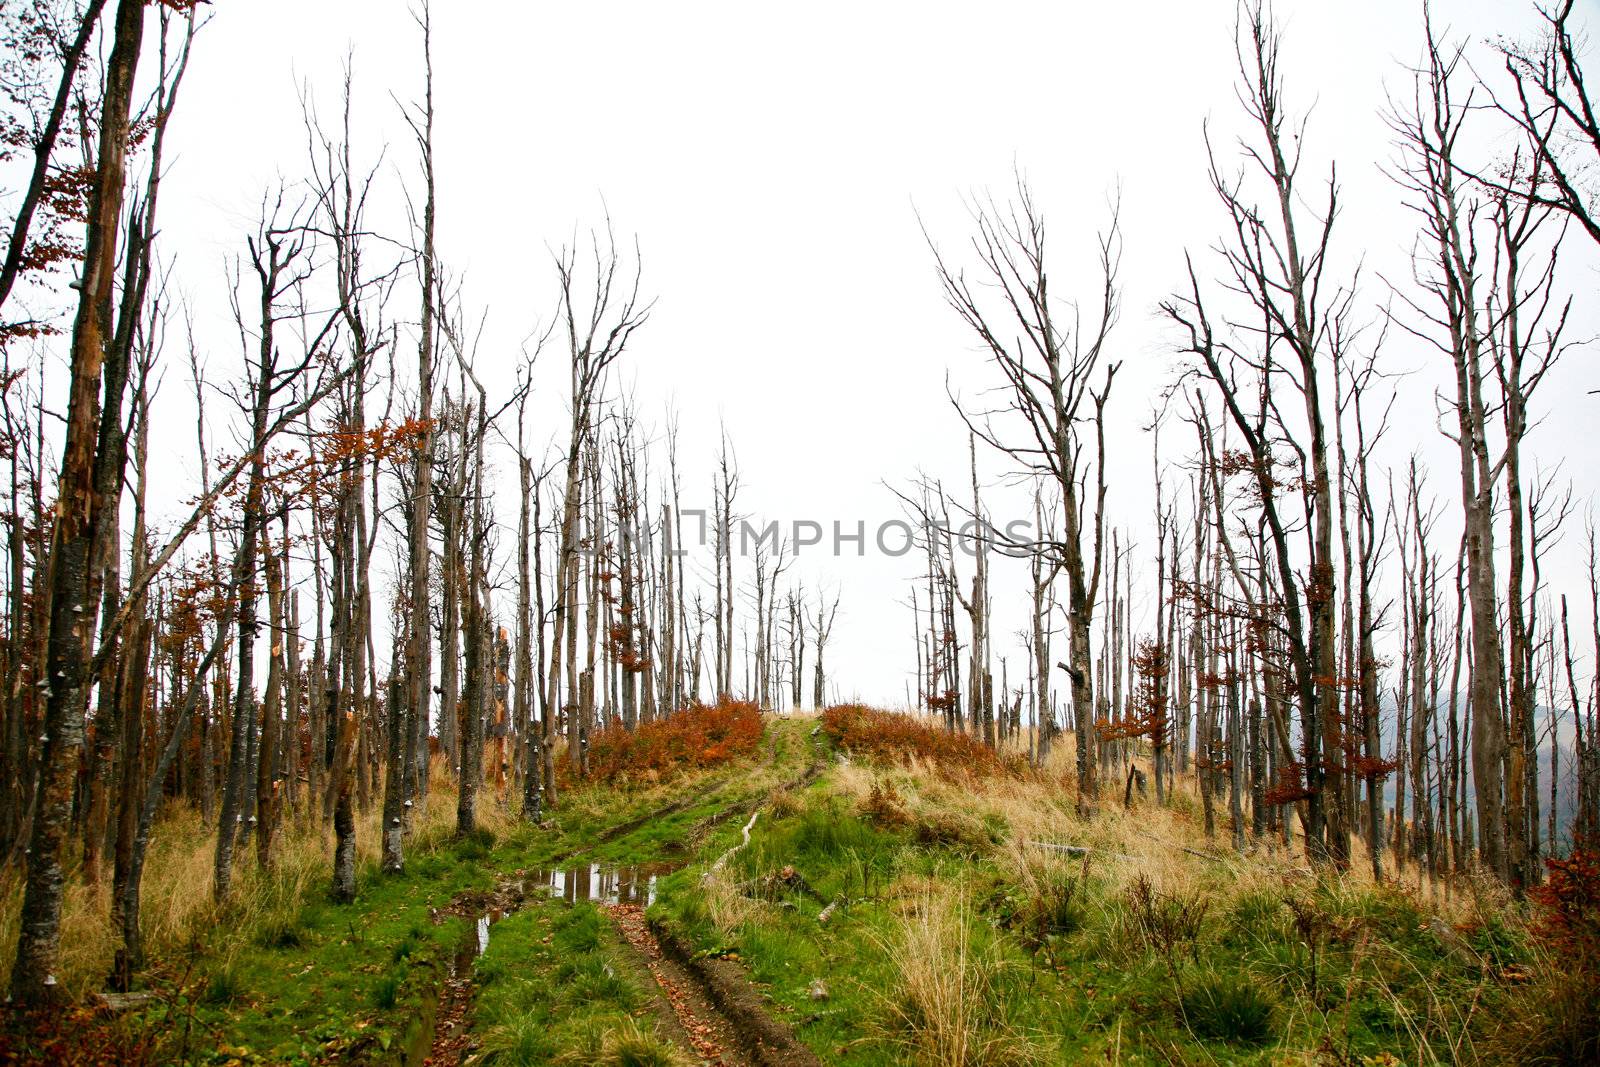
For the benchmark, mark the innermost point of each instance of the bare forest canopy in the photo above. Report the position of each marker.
(404, 542)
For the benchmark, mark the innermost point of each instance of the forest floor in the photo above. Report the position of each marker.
(833, 900)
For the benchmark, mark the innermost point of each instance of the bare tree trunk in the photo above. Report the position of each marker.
(272, 709)
(419, 647)
(39, 939)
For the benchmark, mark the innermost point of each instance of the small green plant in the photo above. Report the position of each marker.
(387, 992)
(578, 930)
(281, 932)
(1312, 925)
(1224, 1007)
(594, 979)
(222, 987)
(629, 1045)
(520, 1041)
(1256, 917)
(1058, 909)
(1168, 922)
(475, 846)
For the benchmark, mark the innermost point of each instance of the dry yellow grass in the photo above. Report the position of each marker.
(1146, 840)
(727, 902)
(177, 906)
(944, 1011)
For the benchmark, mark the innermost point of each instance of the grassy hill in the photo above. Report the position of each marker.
(869, 891)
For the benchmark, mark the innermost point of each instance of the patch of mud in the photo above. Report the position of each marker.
(688, 1015)
(631, 885)
(766, 1042)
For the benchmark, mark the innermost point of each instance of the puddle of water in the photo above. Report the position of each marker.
(634, 884)
(602, 884)
(475, 940)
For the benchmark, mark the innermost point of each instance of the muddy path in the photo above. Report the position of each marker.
(715, 1014)
(631, 885)
(732, 997)
(619, 890)
(688, 1016)
(562, 878)
(452, 1037)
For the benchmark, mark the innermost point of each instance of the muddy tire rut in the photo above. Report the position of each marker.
(764, 1040)
(687, 1015)
(708, 1007)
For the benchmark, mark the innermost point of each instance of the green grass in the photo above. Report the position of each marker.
(312, 980)
(786, 949)
(1060, 968)
(1069, 977)
(338, 977)
(1228, 1008)
(553, 988)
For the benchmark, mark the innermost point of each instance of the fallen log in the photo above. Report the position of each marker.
(1080, 851)
(121, 1002)
(1212, 856)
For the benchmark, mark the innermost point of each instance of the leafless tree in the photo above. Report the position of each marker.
(1048, 360)
(1276, 258)
(78, 516)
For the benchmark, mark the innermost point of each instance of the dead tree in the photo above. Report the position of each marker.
(77, 518)
(725, 491)
(1500, 326)
(1554, 111)
(821, 630)
(795, 639)
(1048, 363)
(534, 736)
(1277, 257)
(278, 256)
(137, 305)
(419, 647)
(1043, 567)
(597, 331)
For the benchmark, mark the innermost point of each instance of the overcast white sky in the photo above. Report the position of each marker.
(772, 160)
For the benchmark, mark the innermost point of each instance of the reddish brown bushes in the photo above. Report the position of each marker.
(890, 737)
(1569, 915)
(698, 736)
(1555, 1018)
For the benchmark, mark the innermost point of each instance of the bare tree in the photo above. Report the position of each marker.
(78, 515)
(1500, 325)
(419, 647)
(821, 630)
(597, 332)
(1557, 117)
(1276, 258)
(1048, 362)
